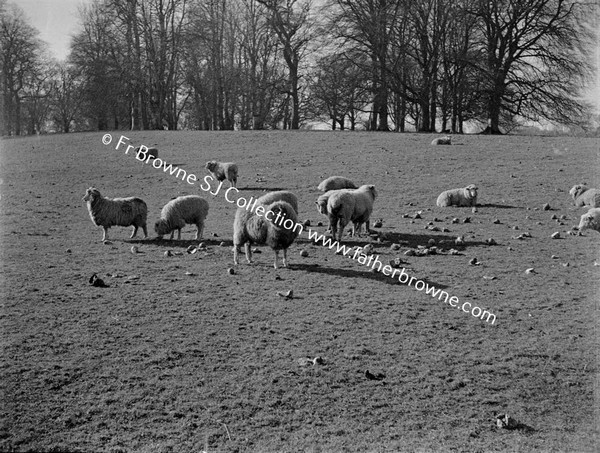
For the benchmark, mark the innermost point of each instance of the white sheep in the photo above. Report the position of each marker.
(458, 197)
(345, 206)
(279, 195)
(582, 196)
(335, 183)
(223, 170)
(107, 212)
(188, 209)
(445, 140)
(264, 229)
(590, 220)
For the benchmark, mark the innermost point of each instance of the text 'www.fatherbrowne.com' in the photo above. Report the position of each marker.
(374, 263)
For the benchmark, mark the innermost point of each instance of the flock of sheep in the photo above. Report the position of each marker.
(342, 201)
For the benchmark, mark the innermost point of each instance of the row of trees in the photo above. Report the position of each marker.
(225, 64)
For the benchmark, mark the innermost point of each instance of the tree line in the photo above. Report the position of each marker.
(380, 65)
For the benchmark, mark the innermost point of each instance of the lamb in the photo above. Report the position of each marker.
(251, 228)
(459, 197)
(345, 206)
(188, 209)
(582, 196)
(279, 195)
(335, 183)
(590, 220)
(222, 171)
(445, 140)
(107, 212)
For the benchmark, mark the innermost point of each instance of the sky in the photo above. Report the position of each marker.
(57, 21)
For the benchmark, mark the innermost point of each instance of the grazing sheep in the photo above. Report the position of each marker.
(335, 183)
(345, 206)
(590, 220)
(279, 195)
(188, 209)
(445, 140)
(106, 212)
(459, 197)
(223, 170)
(250, 228)
(582, 196)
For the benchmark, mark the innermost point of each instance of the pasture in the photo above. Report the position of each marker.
(178, 355)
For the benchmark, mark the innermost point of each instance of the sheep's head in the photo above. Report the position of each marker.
(321, 206)
(471, 191)
(373, 191)
(588, 222)
(91, 194)
(161, 227)
(211, 165)
(577, 190)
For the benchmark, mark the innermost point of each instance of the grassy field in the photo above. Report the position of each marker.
(179, 355)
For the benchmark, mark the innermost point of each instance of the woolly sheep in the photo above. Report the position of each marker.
(188, 209)
(590, 220)
(345, 206)
(107, 212)
(459, 197)
(250, 228)
(335, 183)
(279, 195)
(582, 196)
(223, 170)
(446, 140)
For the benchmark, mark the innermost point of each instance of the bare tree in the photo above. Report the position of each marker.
(535, 58)
(19, 65)
(291, 21)
(368, 24)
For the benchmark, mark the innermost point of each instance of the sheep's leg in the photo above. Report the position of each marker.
(276, 258)
(236, 252)
(135, 228)
(179, 234)
(285, 258)
(248, 252)
(145, 231)
(105, 234)
(200, 230)
(172, 233)
(343, 223)
(368, 228)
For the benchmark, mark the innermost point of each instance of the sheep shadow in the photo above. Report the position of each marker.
(498, 206)
(183, 243)
(352, 273)
(414, 240)
(262, 189)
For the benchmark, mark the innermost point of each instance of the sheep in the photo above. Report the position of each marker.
(107, 212)
(458, 197)
(279, 195)
(188, 209)
(445, 140)
(223, 170)
(582, 196)
(335, 183)
(266, 229)
(590, 220)
(346, 206)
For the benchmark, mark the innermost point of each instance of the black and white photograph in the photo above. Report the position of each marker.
(280, 226)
